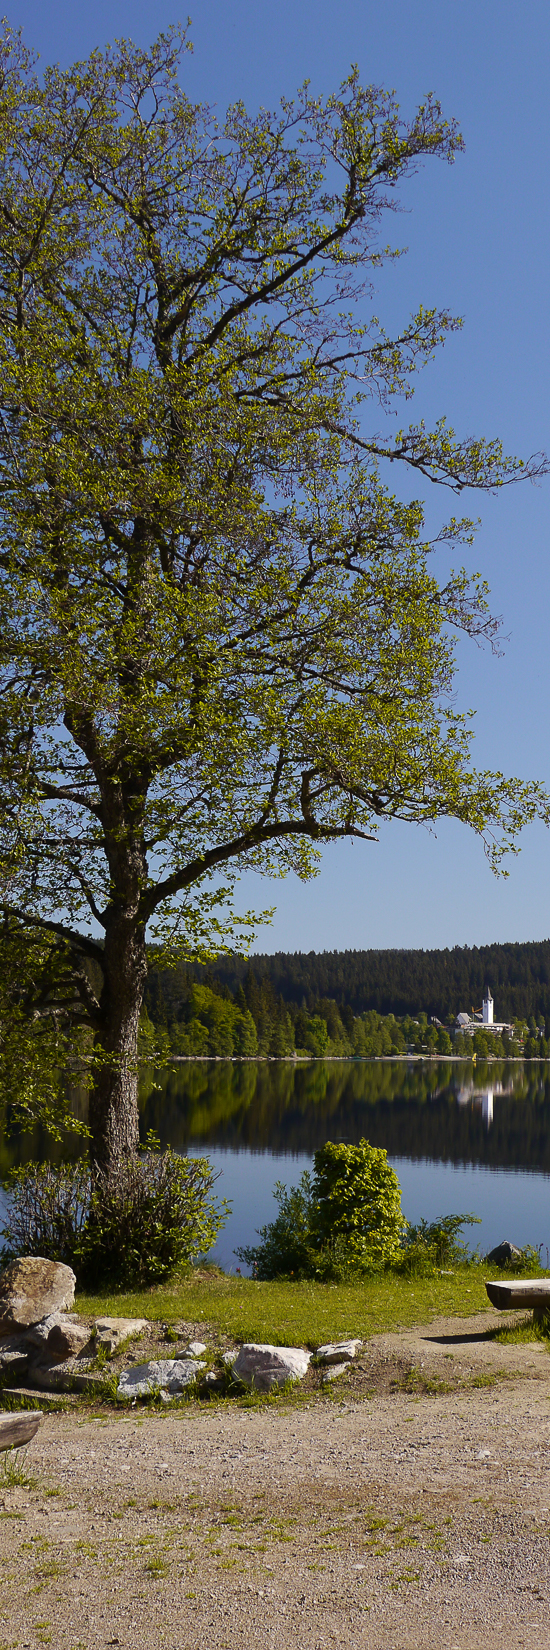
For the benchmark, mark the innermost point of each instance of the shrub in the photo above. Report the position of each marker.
(427, 1246)
(47, 1209)
(150, 1214)
(285, 1249)
(343, 1221)
(357, 1197)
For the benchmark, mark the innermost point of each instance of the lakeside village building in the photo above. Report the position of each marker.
(482, 1019)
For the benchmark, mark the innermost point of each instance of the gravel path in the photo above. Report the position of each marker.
(404, 1521)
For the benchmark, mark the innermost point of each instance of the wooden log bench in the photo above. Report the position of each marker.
(518, 1292)
(18, 1426)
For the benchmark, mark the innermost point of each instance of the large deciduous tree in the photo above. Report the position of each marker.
(222, 643)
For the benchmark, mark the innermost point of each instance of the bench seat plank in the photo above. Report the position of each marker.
(519, 1292)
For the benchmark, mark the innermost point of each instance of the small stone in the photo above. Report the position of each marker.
(162, 1374)
(334, 1370)
(215, 1380)
(109, 1332)
(263, 1367)
(339, 1352)
(32, 1288)
(195, 1349)
(229, 1357)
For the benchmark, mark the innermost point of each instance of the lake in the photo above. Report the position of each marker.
(460, 1141)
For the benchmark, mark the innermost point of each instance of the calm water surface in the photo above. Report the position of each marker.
(459, 1140)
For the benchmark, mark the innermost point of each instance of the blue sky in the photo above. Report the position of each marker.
(479, 243)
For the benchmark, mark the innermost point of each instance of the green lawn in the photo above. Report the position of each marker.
(300, 1314)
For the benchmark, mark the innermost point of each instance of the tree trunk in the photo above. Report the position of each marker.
(113, 1111)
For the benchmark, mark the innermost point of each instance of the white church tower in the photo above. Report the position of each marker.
(488, 1008)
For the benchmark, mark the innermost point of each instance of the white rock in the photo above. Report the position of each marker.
(333, 1371)
(263, 1367)
(339, 1352)
(229, 1357)
(163, 1374)
(195, 1349)
(109, 1332)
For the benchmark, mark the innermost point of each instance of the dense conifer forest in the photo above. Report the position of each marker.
(347, 1002)
(442, 983)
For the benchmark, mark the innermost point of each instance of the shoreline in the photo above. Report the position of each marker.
(349, 1059)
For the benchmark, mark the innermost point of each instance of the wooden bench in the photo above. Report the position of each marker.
(18, 1426)
(518, 1292)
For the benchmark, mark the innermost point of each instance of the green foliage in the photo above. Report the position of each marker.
(357, 1199)
(13, 1470)
(150, 1215)
(462, 1044)
(488, 1045)
(345, 1220)
(430, 1245)
(286, 1249)
(214, 1026)
(316, 1038)
(47, 1211)
(147, 1216)
(38, 1062)
(205, 1020)
(223, 642)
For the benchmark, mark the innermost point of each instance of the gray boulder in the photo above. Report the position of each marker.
(339, 1352)
(264, 1367)
(73, 1376)
(503, 1254)
(169, 1375)
(31, 1289)
(57, 1337)
(14, 1356)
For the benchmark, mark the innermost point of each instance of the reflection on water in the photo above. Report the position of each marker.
(459, 1139)
(499, 1116)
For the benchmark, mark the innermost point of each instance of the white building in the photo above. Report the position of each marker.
(482, 1019)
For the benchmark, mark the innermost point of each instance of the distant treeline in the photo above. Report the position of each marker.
(184, 1017)
(441, 983)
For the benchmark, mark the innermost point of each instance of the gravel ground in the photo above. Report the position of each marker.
(414, 1519)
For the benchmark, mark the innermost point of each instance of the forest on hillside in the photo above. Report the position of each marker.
(436, 983)
(251, 1018)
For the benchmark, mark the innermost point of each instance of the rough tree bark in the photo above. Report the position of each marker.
(113, 1109)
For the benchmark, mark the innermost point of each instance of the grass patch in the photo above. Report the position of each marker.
(302, 1313)
(515, 1334)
